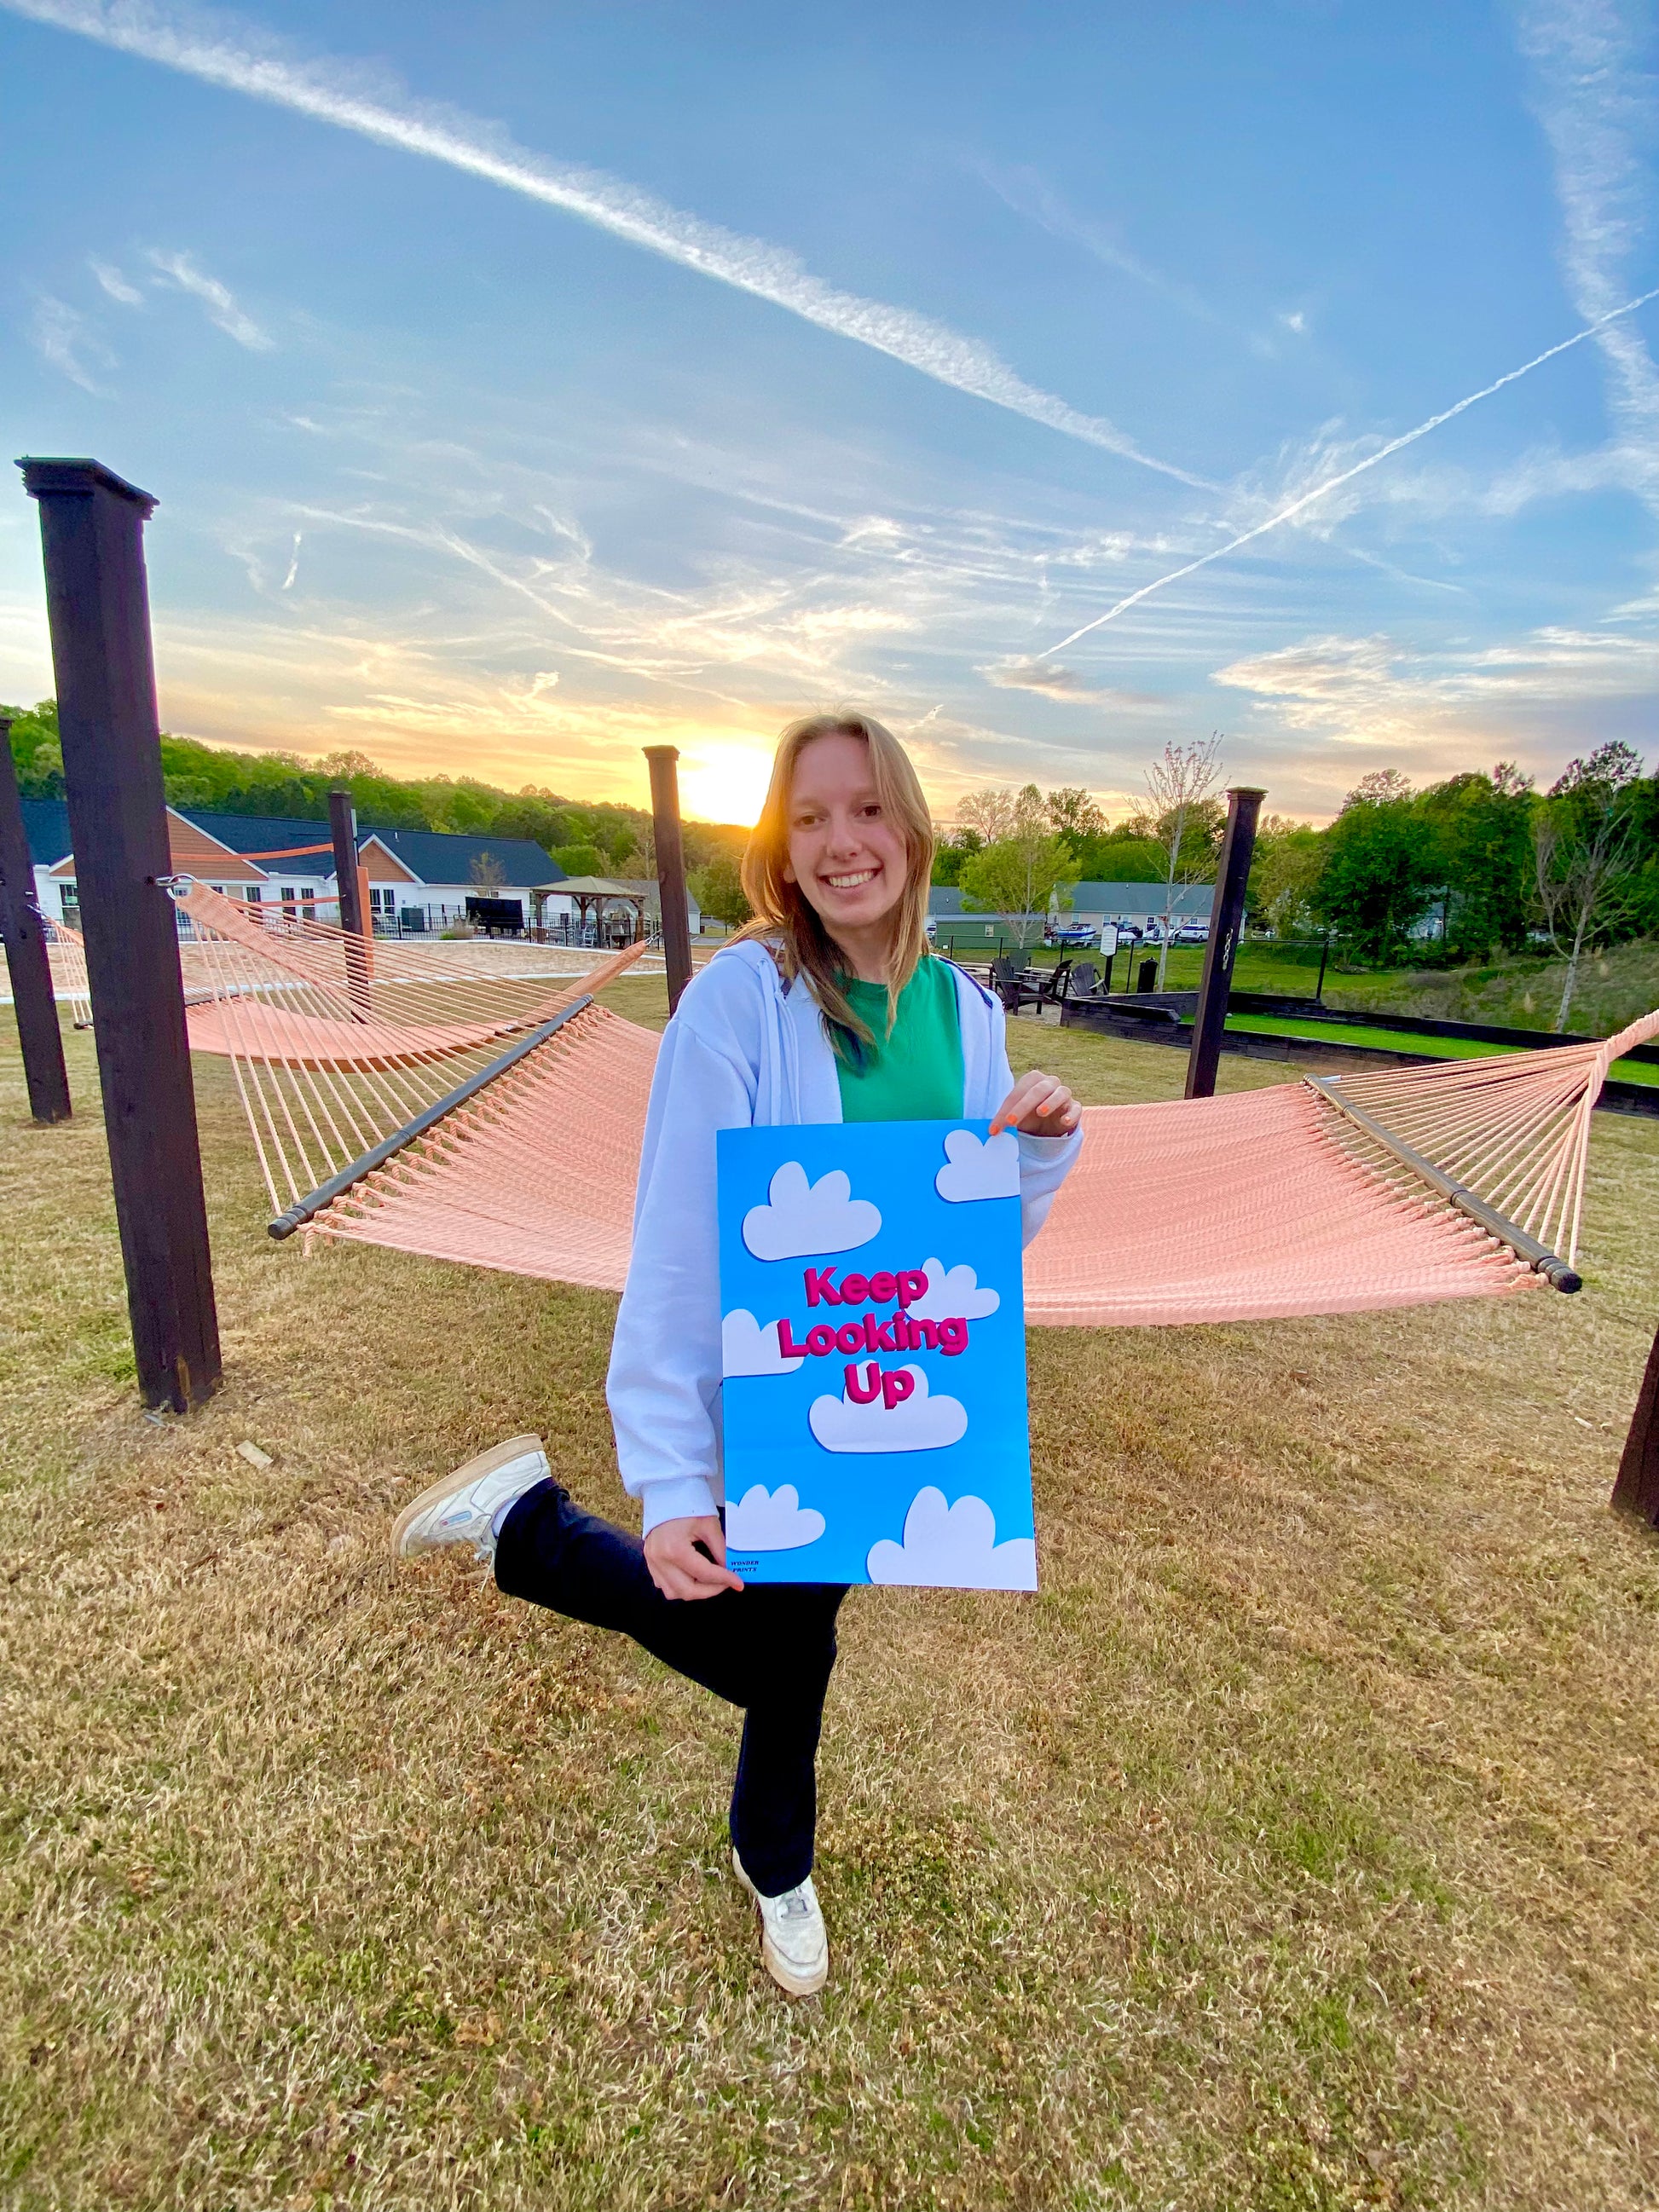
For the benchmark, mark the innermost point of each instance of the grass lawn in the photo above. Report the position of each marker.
(1615, 987)
(1293, 1849)
(1430, 1048)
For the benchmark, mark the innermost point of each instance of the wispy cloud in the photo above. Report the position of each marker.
(64, 339)
(1029, 194)
(1330, 484)
(245, 58)
(218, 301)
(1598, 101)
(1379, 692)
(116, 284)
(1050, 681)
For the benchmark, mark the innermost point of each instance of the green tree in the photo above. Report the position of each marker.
(952, 851)
(1284, 875)
(1076, 816)
(1478, 830)
(36, 754)
(1117, 857)
(717, 888)
(1017, 875)
(1380, 873)
(580, 860)
(532, 816)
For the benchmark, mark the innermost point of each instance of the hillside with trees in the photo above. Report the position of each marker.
(585, 839)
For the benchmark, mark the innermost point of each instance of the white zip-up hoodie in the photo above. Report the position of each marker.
(743, 1052)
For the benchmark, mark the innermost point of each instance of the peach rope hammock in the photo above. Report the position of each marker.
(1458, 1179)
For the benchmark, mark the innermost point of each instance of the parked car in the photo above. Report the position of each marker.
(1192, 932)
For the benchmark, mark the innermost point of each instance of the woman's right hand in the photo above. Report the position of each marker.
(679, 1568)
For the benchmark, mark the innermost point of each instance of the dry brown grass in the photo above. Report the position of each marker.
(1294, 1848)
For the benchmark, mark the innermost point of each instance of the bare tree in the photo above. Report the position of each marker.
(1178, 785)
(1583, 850)
(998, 815)
(486, 873)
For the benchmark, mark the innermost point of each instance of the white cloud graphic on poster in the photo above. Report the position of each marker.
(953, 1547)
(771, 1521)
(973, 1170)
(750, 1347)
(952, 1290)
(801, 1218)
(918, 1423)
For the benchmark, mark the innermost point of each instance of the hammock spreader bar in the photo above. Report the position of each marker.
(305, 1209)
(1539, 1257)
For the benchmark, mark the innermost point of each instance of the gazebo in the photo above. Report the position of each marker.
(593, 894)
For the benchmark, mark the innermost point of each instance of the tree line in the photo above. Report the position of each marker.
(601, 839)
(1475, 865)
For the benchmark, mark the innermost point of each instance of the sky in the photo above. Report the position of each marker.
(527, 384)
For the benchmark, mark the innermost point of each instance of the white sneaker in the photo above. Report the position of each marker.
(459, 1508)
(795, 1948)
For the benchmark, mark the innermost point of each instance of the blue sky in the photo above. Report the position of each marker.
(526, 385)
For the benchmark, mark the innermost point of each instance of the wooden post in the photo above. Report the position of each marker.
(1226, 924)
(98, 607)
(28, 960)
(671, 868)
(1637, 1488)
(342, 829)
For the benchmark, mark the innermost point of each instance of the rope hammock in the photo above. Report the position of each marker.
(385, 1111)
(66, 951)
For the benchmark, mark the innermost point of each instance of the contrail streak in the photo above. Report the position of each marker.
(242, 59)
(1332, 484)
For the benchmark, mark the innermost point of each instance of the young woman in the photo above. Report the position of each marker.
(828, 1007)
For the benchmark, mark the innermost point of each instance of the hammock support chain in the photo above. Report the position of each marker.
(1539, 1257)
(305, 1209)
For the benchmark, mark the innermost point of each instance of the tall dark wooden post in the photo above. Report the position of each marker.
(98, 606)
(28, 960)
(671, 868)
(1637, 1489)
(342, 829)
(1226, 924)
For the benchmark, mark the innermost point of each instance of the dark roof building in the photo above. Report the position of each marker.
(443, 857)
(46, 824)
(428, 856)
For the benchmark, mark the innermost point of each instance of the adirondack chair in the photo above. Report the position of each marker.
(1011, 984)
(1084, 980)
(1017, 988)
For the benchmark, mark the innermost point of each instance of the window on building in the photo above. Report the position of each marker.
(252, 894)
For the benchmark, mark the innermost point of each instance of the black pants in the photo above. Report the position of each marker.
(769, 1650)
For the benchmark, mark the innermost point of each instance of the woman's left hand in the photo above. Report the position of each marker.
(1039, 1105)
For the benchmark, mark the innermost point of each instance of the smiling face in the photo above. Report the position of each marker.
(847, 858)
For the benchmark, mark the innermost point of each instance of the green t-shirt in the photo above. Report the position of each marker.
(915, 1074)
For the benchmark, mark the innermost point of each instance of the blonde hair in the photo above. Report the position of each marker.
(785, 919)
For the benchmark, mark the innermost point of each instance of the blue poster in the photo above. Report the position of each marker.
(873, 1331)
